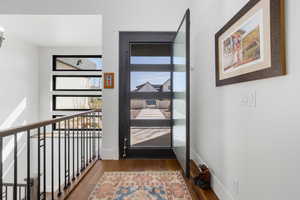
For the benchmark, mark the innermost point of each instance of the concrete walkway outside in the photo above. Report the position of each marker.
(150, 114)
(155, 137)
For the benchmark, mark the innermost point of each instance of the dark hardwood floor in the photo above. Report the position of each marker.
(82, 191)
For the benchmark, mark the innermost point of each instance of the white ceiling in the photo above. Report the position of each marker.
(55, 30)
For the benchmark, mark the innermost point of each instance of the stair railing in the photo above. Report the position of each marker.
(59, 151)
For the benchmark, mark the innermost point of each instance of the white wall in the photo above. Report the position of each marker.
(19, 96)
(19, 82)
(258, 146)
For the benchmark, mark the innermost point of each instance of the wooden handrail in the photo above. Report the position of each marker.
(11, 131)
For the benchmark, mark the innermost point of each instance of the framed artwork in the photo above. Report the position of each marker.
(109, 80)
(251, 45)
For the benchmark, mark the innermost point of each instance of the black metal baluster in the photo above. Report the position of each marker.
(91, 137)
(1, 168)
(77, 132)
(59, 164)
(25, 192)
(94, 134)
(65, 152)
(5, 193)
(99, 135)
(73, 145)
(20, 192)
(90, 134)
(84, 134)
(81, 144)
(44, 168)
(15, 191)
(87, 140)
(52, 162)
(39, 165)
(44, 163)
(28, 166)
(69, 183)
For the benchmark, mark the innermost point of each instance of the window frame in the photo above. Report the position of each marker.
(78, 76)
(54, 57)
(70, 95)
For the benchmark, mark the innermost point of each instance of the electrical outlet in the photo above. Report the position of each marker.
(249, 100)
(252, 99)
(244, 101)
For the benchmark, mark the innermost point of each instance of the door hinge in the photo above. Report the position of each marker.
(125, 147)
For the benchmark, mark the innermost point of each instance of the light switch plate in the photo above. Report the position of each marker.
(249, 100)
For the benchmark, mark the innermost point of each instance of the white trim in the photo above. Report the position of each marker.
(218, 187)
(109, 154)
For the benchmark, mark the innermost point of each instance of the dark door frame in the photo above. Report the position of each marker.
(125, 38)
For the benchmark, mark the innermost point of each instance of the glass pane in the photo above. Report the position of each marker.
(150, 108)
(150, 54)
(154, 60)
(81, 123)
(74, 102)
(77, 64)
(146, 105)
(150, 137)
(179, 97)
(150, 82)
(78, 83)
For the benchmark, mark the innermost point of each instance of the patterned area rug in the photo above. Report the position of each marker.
(148, 185)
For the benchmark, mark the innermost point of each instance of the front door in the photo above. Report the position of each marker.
(145, 94)
(154, 98)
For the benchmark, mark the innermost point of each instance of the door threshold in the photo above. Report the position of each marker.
(149, 154)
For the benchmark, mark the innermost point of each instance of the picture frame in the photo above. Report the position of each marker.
(109, 80)
(251, 46)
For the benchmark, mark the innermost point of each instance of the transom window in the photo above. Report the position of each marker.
(77, 63)
(76, 84)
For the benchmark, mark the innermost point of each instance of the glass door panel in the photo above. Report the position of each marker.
(180, 100)
(150, 95)
(144, 81)
(150, 54)
(147, 109)
(150, 136)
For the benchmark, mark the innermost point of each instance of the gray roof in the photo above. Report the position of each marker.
(148, 87)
